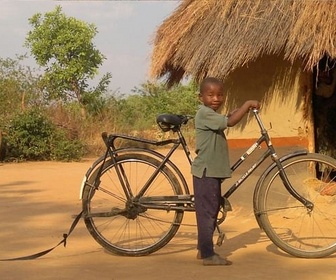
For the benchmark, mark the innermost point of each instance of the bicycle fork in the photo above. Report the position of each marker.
(308, 204)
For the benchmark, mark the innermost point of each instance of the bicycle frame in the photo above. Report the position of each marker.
(186, 202)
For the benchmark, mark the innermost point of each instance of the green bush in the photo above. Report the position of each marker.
(32, 136)
(65, 150)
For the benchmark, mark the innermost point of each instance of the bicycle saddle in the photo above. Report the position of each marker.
(170, 121)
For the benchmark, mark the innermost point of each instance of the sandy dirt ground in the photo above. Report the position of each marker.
(39, 199)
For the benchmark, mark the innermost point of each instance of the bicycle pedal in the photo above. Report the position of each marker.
(226, 204)
(220, 239)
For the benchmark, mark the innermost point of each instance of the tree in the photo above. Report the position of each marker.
(63, 45)
(18, 88)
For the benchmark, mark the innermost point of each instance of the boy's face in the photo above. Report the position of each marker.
(212, 96)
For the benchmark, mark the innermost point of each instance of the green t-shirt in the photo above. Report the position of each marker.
(211, 145)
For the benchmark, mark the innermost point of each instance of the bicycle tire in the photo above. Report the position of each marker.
(286, 221)
(130, 234)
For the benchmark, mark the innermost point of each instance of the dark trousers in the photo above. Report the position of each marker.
(207, 193)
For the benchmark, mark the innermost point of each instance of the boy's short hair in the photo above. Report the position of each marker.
(207, 81)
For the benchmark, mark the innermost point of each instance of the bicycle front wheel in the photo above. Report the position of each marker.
(297, 230)
(116, 220)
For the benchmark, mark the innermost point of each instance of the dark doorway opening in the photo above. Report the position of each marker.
(324, 106)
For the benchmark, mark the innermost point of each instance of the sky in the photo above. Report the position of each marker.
(125, 32)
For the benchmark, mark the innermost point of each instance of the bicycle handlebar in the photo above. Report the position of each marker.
(257, 117)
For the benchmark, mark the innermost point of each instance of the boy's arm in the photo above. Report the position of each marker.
(236, 115)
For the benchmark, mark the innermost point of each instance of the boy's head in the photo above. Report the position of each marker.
(212, 93)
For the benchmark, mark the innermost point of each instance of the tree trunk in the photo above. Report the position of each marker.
(79, 98)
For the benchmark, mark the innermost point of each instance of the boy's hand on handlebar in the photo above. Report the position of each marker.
(254, 104)
(236, 115)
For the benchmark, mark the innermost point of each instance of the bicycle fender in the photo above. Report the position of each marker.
(265, 174)
(87, 175)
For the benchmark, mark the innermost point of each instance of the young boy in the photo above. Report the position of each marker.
(211, 164)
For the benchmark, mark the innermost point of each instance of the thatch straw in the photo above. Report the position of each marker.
(214, 37)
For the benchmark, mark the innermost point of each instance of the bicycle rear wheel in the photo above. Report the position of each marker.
(121, 225)
(290, 225)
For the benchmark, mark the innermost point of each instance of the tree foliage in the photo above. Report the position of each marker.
(63, 46)
(18, 88)
(150, 99)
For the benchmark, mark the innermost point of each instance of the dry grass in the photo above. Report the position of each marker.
(89, 131)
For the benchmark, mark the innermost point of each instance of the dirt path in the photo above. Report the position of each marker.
(38, 200)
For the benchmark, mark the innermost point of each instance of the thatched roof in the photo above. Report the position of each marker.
(214, 37)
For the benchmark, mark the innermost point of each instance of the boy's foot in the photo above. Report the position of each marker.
(216, 260)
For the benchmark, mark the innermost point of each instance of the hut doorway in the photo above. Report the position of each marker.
(324, 107)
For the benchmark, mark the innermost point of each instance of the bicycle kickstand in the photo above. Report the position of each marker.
(221, 236)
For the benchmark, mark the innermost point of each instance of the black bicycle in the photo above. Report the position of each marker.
(134, 198)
